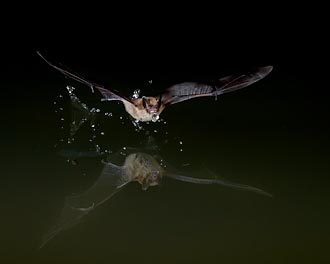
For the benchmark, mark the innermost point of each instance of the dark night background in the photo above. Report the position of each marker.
(274, 134)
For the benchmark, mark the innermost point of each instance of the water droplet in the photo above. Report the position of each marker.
(136, 94)
(55, 111)
(92, 125)
(110, 114)
(102, 133)
(106, 113)
(62, 119)
(180, 142)
(61, 108)
(120, 117)
(150, 81)
(70, 89)
(91, 140)
(60, 96)
(181, 150)
(165, 122)
(97, 110)
(155, 131)
(154, 117)
(55, 103)
(124, 148)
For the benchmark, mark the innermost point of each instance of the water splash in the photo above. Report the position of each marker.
(70, 89)
(136, 94)
(154, 117)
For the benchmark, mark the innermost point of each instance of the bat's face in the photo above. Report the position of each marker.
(153, 178)
(152, 105)
(146, 169)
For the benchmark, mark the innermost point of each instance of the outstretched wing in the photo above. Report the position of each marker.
(111, 180)
(222, 182)
(107, 94)
(189, 90)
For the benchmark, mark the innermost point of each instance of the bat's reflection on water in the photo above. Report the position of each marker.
(145, 168)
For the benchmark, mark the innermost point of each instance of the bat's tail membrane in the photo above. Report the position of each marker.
(236, 82)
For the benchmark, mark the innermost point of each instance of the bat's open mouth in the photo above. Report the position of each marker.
(152, 110)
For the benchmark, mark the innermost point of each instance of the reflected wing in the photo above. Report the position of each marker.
(111, 180)
(189, 90)
(107, 94)
(217, 181)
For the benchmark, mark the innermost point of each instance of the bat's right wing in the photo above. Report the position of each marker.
(189, 90)
(107, 94)
(111, 180)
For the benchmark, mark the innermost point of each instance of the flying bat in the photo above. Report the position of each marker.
(148, 108)
(146, 168)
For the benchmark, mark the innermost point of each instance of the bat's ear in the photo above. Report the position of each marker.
(144, 101)
(159, 100)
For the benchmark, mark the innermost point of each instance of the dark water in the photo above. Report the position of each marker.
(273, 135)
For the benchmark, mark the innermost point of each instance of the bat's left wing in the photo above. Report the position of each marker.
(109, 95)
(222, 182)
(189, 90)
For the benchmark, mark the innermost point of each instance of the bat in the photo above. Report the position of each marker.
(148, 108)
(143, 167)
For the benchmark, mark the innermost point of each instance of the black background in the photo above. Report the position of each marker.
(186, 46)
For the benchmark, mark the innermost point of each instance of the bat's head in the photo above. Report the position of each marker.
(151, 105)
(146, 169)
(153, 178)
